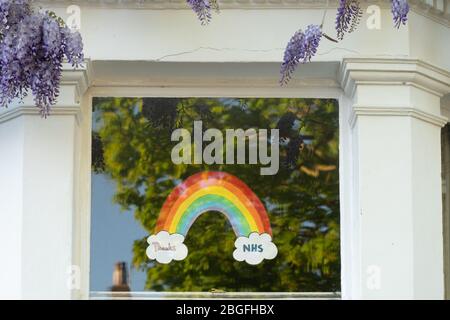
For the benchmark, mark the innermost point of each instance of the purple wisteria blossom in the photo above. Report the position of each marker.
(300, 49)
(33, 46)
(400, 10)
(13, 11)
(202, 8)
(348, 17)
(303, 46)
(73, 47)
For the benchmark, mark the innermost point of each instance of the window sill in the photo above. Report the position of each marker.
(105, 295)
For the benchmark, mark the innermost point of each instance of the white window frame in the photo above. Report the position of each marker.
(120, 79)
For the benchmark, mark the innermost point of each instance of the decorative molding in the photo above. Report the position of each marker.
(371, 111)
(80, 78)
(22, 110)
(433, 12)
(394, 72)
(224, 4)
(419, 6)
(375, 71)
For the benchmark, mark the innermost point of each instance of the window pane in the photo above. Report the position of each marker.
(137, 172)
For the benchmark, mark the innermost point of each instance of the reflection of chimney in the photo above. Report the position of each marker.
(120, 277)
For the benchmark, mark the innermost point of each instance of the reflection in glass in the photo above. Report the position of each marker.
(132, 149)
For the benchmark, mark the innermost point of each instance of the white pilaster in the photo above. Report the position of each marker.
(395, 221)
(37, 194)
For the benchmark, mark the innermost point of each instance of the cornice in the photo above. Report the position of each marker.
(181, 4)
(374, 111)
(404, 72)
(413, 72)
(21, 110)
(418, 6)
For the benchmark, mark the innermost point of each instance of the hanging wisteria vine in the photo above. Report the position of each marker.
(348, 17)
(203, 9)
(33, 45)
(400, 10)
(300, 49)
(304, 44)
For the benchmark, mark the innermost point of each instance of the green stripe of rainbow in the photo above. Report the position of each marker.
(213, 191)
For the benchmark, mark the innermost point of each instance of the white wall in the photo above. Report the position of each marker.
(429, 41)
(11, 190)
(233, 35)
(390, 147)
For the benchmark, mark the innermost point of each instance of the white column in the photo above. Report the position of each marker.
(37, 194)
(394, 242)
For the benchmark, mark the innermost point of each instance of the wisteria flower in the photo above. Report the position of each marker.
(348, 17)
(12, 11)
(400, 10)
(202, 8)
(300, 49)
(33, 46)
(73, 46)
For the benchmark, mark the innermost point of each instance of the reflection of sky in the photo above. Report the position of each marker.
(112, 235)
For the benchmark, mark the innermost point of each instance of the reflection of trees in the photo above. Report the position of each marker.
(302, 199)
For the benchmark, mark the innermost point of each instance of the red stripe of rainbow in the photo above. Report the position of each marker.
(213, 191)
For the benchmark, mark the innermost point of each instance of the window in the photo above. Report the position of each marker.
(283, 152)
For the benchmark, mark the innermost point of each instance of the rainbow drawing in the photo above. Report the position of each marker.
(213, 191)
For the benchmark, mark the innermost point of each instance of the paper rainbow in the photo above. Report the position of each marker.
(213, 191)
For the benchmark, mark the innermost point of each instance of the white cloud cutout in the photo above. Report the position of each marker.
(164, 247)
(255, 248)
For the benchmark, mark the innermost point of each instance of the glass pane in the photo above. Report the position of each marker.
(283, 181)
